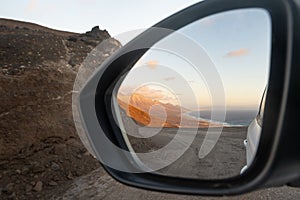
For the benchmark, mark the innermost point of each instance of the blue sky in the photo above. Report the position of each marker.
(117, 16)
(238, 44)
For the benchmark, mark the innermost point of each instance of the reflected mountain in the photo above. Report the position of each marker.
(150, 112)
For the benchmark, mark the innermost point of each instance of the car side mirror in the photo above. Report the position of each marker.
(197, 103)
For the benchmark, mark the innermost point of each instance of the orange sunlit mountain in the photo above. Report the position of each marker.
(147, 111)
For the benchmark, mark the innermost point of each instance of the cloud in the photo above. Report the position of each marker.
(32, 6)
(152, 64)
(237, 53)
(194, 82)
(158, 94)
(150, 92)
(169, 78)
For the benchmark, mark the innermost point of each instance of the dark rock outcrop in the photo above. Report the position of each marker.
(93, 37)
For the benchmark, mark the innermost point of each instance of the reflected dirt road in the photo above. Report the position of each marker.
(225, 160)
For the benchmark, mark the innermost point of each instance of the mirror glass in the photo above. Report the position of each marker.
(192, 105)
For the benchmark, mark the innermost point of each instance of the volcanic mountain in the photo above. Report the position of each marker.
(154, 113)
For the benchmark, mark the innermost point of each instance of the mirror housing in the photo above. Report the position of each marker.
(276, 162)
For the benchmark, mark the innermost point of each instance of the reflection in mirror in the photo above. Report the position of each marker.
(202, 87)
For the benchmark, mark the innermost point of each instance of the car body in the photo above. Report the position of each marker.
(253, 134)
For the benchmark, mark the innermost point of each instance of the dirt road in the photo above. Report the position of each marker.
(99, 185)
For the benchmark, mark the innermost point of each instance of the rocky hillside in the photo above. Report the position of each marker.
(147, 111)
(39, 147)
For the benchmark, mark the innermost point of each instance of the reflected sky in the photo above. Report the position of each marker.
(237, 42)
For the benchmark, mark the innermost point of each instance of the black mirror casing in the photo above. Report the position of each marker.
(277, 161)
